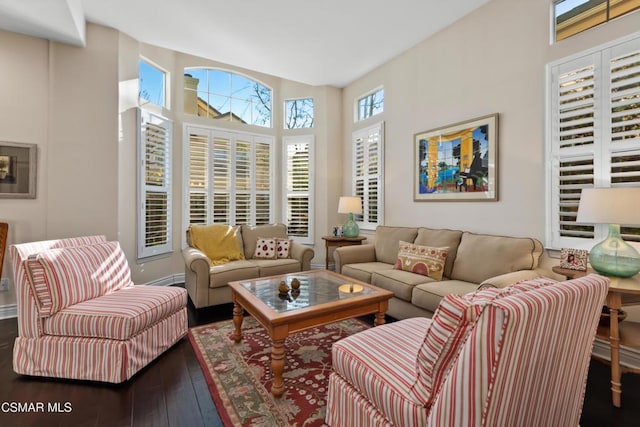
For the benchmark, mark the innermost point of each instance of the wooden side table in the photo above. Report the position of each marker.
(622, 292)
(337, 241)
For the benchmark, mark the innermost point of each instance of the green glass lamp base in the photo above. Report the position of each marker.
(614, 257)
(350, 228)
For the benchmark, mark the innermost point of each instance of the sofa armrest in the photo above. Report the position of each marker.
(302, 253)
(353, 255)
(508, 279)
(196, 276)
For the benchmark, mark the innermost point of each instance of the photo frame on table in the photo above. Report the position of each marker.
(18, 170)
(574, 259)
(457, 162)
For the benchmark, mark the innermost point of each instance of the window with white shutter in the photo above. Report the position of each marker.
(298, 182)
(368, 179)
(229, 177)
(154, 184)
(594, 141)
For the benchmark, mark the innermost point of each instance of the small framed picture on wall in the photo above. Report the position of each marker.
(574, 259)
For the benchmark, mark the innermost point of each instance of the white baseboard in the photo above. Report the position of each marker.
(173, 279)
(8, 311)
(629, 357)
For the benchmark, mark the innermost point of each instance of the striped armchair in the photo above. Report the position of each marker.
(81, 317)
(497, 357)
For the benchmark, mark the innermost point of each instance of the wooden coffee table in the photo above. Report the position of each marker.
(324, 297)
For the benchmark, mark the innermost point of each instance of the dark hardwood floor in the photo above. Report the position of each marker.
(172, 391)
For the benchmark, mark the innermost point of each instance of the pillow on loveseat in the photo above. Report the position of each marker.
(265, 249)
(423, 260)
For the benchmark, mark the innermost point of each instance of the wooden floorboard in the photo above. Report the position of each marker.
(172, 391)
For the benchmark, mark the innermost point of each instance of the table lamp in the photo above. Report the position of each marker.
(614, 206)
(350, 205)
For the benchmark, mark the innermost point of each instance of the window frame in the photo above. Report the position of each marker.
(590, 11)
(601, 152)
(363, 220)
(356, 105)
(144, 251)
(231, 73)
(310, 194)
(209, 189)
(143, 102)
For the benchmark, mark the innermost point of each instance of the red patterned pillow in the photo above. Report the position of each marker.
(283, 248)
(265, 248)
(423, 260)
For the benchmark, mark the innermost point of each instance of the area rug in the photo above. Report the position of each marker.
(239, 374)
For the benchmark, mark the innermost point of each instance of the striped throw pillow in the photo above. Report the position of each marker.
(66, 276)
(450, 326)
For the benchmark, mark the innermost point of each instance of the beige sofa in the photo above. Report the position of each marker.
(207, 284)
(472, 260)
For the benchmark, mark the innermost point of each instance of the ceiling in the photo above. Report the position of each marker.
(327, 42)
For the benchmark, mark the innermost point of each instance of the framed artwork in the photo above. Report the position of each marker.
(17, 170)
(457, 162)
(573, 259)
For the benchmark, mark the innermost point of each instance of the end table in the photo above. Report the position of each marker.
(337, 241)
(622, 292)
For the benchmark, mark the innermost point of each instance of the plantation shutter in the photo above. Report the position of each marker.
(154, 183)
(229, 177)
(595, 137)
(368, 167)
(298, 187)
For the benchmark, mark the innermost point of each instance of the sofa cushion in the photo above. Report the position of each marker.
(364, 270)
(272, 267)
(428, 295)
(250, 236)
(371, 363)
(283, 248)
(387, 239)
(441, 238)
(119, 315)
(400, 282)
(219, 242)
(451, 323)
(265, 249)
(221, 275)
(481, 256)
(423, 260)
(62, 277)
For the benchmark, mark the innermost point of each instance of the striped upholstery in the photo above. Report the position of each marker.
(364, 360)
(62, 277)
(84, 340)
(119, 315)
(28, 323)
(524, 362)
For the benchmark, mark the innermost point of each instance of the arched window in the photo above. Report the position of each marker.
(224, 95)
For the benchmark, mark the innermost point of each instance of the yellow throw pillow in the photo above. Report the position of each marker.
(423, 260)
(218, 242)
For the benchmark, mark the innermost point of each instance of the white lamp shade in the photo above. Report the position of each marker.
(349, 204)
(610, 206)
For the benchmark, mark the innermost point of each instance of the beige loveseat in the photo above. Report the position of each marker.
(207, 283)
(472, 260)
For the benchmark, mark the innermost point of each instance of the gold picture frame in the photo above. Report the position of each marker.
(457, 162)
(18, 170)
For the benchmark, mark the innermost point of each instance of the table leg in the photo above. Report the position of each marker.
(379, 320)
(614, 342)
(326, 256)
(277, 367)
(237, 321)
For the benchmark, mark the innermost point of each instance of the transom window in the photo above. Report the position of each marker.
(298, 113)
(574, 16)
(370, 105)
(227, 96)
(152, 81)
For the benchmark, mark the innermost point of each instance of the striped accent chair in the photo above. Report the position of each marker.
(516, 356)
(80, 315)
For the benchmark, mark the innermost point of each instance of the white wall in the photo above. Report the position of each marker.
(491, 61)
